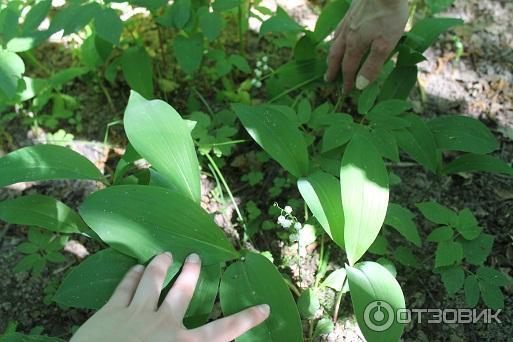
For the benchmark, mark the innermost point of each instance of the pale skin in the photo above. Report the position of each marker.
(373, 26)
(133, 314)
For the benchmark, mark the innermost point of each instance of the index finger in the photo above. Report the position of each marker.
(228, 328)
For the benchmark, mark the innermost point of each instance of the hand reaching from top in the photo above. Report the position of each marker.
(369, 25)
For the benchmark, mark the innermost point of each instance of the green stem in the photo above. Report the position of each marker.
(300, 85)
(310, 330)
(227, 188)
(233, 142)
(241, 31)
(107, 95)
(205, 103)
(109, 125)
(292, 287)
(340, 295)
(321, 262)
(218, 183)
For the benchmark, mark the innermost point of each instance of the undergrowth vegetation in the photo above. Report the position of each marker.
(337, 150)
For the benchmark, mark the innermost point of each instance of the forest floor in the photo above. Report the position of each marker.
(479, 83)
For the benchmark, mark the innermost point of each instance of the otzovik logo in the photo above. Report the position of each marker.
(379, 316)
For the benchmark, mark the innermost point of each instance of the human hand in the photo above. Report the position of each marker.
(132, 313)
(369, 24)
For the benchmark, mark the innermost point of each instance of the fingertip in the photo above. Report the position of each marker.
(137, 269)
(193, 259)
(362, 82)
(265, 310)
(168, 254)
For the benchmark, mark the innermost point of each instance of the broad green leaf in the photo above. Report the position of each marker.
(108, 25)
(338, 133)
(151, 5)
(439, 5)
(225, 5)
(27, 248)
(189, 52)
(36, 15)
(204, 297)
(408, 56)
(324, 326)
(55, 257)
(45, 162)
(448, 253)
(308, 303)
(389, 265)
(304, 111)
(160, 135)
(389, 122)
(296, 74)
(281, 22)
(477, 251)
(364, 185)
(255, 281)
(399, 83)
(336, 280)
(471, 288)
(391, 108)
(376, 297)
(277, 134)
(461, 133)
(41, 211)
(419, 143)
(39, 237)
(26, 263)
(142, 221)
(401, 219)
(406, 257)
(211, 25)
(385, 143)
(240, 63)
(180, 12)
(89, 54)
(467, 225)
(478, 163)
(9, 19)
(11, 69)
(321, 192)
(74, 17)
(64, 76)
(426, 31)
(492, 295)
(437, 213)
(492, 276)
(28, 41)
(90, 284)
(453, 278)
(441, 234)
(329, 18)
(138, 71)
(368, 98)
(379, 246)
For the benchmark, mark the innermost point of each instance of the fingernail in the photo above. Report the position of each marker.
(264, 309)
(138, 268)
(193, 258)
(168, 254)
(361, 82)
